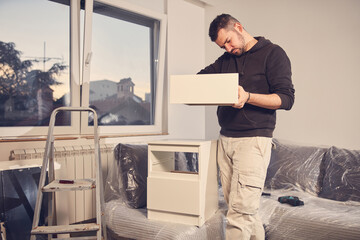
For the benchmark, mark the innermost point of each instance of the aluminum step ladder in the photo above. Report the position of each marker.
(57, 185)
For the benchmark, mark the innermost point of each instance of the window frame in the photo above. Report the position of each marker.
(159, 73)
(37, 131)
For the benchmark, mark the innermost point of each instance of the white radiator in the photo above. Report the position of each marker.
(72, 162)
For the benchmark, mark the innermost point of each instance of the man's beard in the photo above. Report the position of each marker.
(241, 50)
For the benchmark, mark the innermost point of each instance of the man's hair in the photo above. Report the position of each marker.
(221, 21)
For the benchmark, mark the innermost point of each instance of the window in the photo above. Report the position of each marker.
(125, 51)
(34, 63)
(121, 74)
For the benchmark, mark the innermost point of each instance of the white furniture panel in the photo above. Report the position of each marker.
(182, 197)
(204, 89)
(174, 190)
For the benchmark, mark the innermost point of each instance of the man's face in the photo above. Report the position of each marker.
(231, 40)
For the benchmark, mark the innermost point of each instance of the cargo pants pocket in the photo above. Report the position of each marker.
(247, 198)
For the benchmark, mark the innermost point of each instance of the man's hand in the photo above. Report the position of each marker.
(243, 97)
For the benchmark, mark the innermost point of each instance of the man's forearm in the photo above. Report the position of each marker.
(269, 101)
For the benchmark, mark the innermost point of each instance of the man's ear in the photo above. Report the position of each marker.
(238, 27)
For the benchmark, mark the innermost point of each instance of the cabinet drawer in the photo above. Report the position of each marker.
(171, 195)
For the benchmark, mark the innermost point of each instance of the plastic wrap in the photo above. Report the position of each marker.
(317, 175)
(125, 222)
(127, 177)
(342, 175)
(186, 162)
(295, 167)
(319, 218)
(302, 171)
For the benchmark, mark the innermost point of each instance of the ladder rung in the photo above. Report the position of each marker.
(78, 238)
(88, 227)
(79, 184)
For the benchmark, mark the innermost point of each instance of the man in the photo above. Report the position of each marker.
(247, 127)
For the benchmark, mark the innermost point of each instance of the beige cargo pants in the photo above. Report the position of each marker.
(243, 164)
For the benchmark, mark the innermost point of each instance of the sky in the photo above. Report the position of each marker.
(120, 49)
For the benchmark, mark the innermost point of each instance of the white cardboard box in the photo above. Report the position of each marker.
(204, 89)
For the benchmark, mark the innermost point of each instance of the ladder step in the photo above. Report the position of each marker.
(88, 227)
(78, 238)
(78, 184)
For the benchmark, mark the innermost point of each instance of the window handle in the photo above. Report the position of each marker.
(88, 58)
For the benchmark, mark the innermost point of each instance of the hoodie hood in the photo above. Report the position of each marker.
(262, 42)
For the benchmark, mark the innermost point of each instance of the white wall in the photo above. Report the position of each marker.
(186, 55)
(322, 40)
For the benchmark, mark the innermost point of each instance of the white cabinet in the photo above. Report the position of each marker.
(182, 197)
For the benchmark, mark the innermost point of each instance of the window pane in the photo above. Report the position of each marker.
(121, 81)
(34, 62)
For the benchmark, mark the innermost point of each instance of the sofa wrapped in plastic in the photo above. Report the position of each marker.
(326, 179)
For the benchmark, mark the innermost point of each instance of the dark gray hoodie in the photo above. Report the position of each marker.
(264, 69)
